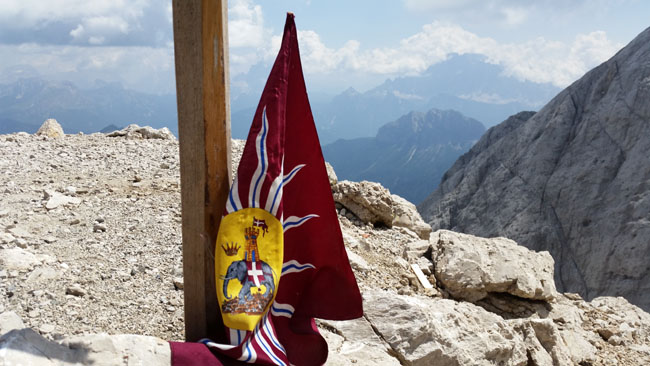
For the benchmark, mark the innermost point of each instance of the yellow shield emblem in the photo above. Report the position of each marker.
(248, 265)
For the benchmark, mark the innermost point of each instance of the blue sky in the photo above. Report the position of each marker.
(343, 43)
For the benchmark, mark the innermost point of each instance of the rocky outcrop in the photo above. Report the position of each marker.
(134, 131)
(572, 179)
(372, 203)
(521, 324)
(470, 268)
(51, 128)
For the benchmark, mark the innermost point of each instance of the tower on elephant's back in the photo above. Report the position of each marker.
(251, 254)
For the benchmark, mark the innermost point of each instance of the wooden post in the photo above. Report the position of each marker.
(201, 53)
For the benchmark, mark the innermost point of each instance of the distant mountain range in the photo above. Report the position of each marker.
(466, 83)
(409, 155)
(26, 102)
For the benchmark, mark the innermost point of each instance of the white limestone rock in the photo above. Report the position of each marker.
(441, 332)
(372, 203)
(354, 342)
(405, 214)
(106, 350)
(470, 268)
(55, 199)
(331, 174)
(51, 128)
(17, 259)
(133, 131)
(26, 347)
(9, 321)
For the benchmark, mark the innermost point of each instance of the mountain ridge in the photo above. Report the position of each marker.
(27, 102)
(407, 155)
(571, 179)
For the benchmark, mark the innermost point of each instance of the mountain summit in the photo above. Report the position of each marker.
(573, 179)
(408, 155)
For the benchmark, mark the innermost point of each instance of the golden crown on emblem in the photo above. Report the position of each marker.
(231, 249)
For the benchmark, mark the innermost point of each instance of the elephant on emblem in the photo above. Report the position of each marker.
(239, 270)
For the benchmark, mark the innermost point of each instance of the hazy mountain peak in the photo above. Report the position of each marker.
(350, 92)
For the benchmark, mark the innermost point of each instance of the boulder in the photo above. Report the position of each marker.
(470, 268)
(424, 331)
(433, 331)
(55, 199)
(355, 342)
(17, 259)
(51, 128)
(26, 347)
(134, 131)
(106, 350)
(372, 203)
(405, 214)
(543, 342)
(9, 321)
(369, 201)
(622, 323)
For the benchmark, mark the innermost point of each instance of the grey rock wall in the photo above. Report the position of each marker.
(573, 179)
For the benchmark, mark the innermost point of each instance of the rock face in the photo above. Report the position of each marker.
(573, 179)
(51, 128)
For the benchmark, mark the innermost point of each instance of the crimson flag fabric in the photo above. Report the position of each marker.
(280, 261)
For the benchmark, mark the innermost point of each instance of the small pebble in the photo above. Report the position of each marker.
(75, 290)
(97, 227)
(46, 328)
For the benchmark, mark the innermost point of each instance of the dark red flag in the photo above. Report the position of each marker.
(282, 261)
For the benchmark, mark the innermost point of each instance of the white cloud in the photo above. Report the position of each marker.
(30, 13)
(94, 30)
(249, 40)
(514, 15)
(505, 14)
(246, 25)
(117, 22)
(428, 5)
(149, 69)
(537, 60)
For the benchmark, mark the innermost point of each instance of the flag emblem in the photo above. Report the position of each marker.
(248, 278)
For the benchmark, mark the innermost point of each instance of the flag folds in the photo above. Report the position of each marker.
(280, 261)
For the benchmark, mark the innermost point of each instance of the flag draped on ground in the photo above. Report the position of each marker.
(280, 261)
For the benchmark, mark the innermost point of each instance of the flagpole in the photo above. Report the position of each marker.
(201, 56)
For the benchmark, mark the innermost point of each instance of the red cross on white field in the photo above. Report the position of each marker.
(255, 273)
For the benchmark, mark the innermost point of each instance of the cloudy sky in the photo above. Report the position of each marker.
(356, 43)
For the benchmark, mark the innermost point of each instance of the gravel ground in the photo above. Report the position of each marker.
(97, 220)
(108, 263)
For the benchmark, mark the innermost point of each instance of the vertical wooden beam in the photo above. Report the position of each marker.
(201, 53)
